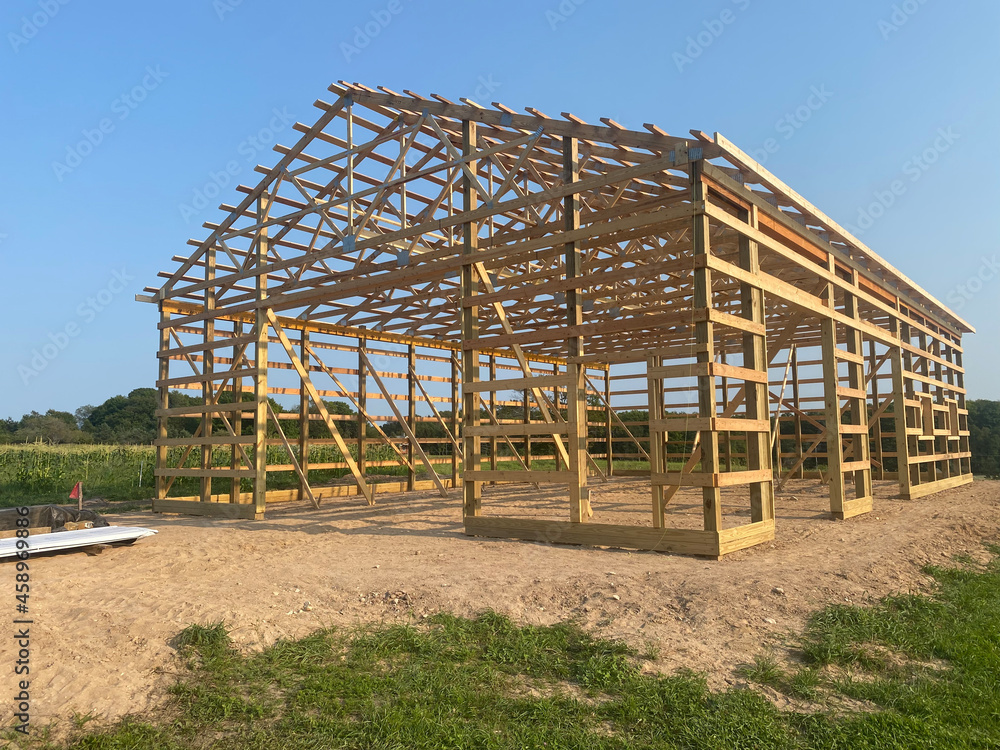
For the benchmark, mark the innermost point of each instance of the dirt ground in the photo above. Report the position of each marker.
(103, 625)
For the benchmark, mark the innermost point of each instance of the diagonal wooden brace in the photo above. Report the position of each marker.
(320, 406)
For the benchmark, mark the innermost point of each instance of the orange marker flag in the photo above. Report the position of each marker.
(77, 491)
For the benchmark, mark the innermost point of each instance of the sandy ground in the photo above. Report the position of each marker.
(103, 624)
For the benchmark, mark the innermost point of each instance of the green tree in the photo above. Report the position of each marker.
(984, 437)
(124, 419)
(56, 427)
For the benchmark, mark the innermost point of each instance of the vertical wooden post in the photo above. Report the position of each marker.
(493, 408)
(576, 392)
(727, 447)
(235, 462)
(350, 165)
(362, 436)
(608, 426)
(526, 419)
(796, 399)
(261, 362)
(900, 393)
(704, 335)
(755, 358)
(657, 463)
(555, 401)
(948, 353)
(303, 416)
(831, 400)
(965, 464)
(411, 414)
(876, 400)
(208, 370)
(470, 329)
(455, 408)
(163, 368)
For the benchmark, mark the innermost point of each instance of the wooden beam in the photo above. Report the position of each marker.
(163, 403)
(755, 359)
(260, 363)
(704, 352)
(472, 462)
(576, 392)
(303, 461)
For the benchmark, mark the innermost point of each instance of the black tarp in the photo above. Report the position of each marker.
(54, 516)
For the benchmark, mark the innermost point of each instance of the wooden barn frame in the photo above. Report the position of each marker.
(581, 268)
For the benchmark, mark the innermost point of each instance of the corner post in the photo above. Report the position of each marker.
(704, 336)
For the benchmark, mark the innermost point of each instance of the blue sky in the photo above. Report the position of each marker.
(847, 94)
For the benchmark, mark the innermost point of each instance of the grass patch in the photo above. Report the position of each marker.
(763, 671)
(211, 639)
(909, 672)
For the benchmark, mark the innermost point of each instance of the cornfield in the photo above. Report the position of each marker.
(36, 473)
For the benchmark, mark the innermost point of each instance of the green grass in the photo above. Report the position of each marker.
(909, 672)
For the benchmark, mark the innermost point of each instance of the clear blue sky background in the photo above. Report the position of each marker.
(889, 91)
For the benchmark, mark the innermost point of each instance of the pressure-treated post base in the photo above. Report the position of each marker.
(851, 508)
